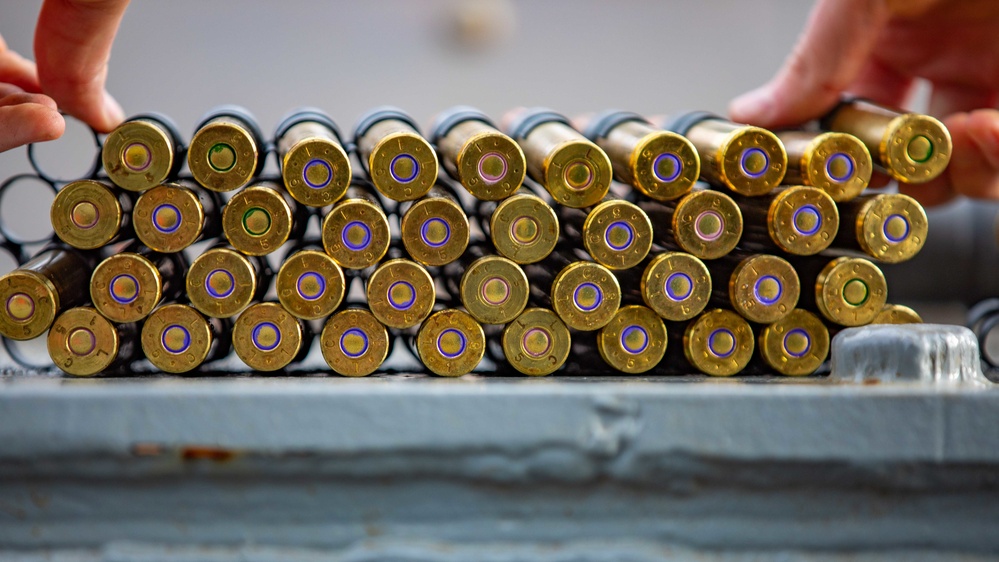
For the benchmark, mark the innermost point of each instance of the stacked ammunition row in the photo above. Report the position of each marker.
(718, 243)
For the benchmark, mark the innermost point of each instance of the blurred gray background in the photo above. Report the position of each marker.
(183, 57)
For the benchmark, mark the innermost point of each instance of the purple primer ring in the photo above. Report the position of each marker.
(840, 158)
(364, 241)
(709, 237)
(412, 161)
(145, 149)
(896, 238)
(30, 312)
(764, 300)
(544, 334)
(319, 280)
(461, 348)
(127, 300)
(673, 295)
(808, 342)
(491, 179)
(183, 347)
(317, 162)
(211, 290)
(162, 208)
(677, 167)
(631, 330)
(711, 342)
(749, 153)
(628, 241)
(358, 333)
(427, 224)
(596, 301)
(255, 336)
(93, 342)
(404, 305)
(809, 210)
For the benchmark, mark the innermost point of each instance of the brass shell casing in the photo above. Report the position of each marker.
(676, 285)
(224, 154)
(634, 341)
(35, 293)
(850, 291)
(400, 293)
(746, 159)
(310, 285)
(258, 220)
(796, 345)
(911, 148)
(171, 217)
(705, 223)
(88, 214)
(435, 228)
(897, 314)
(576, 172)
(798, 220)
(524, 228)
(719, 343)
(494, 290)
(141, 153)
(267, 337)
(836, 163)
(83, 343)
(660, 164)
(401, 164)
(487, 163)
(222, 282)
(889, 227)
(126, 287)
(356, 231)
(585, 295)
(617, 234)
(537, 342)
(354, 343)
(762, 288)
(450, 343)
(176, 338)
(314, 165)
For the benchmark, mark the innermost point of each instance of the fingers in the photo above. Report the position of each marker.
(832, 50)
(881, 83)
(27, 118)
(948, 99)
(17, 70)
(72, 46)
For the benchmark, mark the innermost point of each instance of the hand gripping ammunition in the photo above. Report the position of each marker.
(401, 164)
(143, 152)
(314, 163)
(836, 163)
(176, 338)
(897, 314)
(262, 217)
(660, 164)
(355, 230)
(493, 289)
(523, 227)
(434, 228)
(760, 287)
(889, 227)
(222, 282)
(718, 343)
(354, 343)
(487, 163)
(704, 223)
(617, 234)
(127, 286)
(796, 345)
(676, 285)
(88, 214)
(846, 291)
(797, 220)
(576, 172)
(911, 148)
(56, 279)
(537, 342)
(83, 343)
(171, 217)
(227, 149)
(450, 343)
(400, 293)
(634, 341)
(584, 294)
(268, 338)
(748, 160)
(310, 284)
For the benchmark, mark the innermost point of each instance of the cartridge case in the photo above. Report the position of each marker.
(798, 220)
(523, 228)
(634, 341)
(355, 230)
(846, 291)
(314, 163)
(127, 286)
(261, 218)
(83, 343)
(704, 223)
(836, 163)
(176, 338)
(143, 152)
(487, 163)
(310, 284)
(537, 342)
(676, 285)
(719, 343)
(897, 314)
(267, 337)
(434, 228)
(576, 172)
(617, 234)
(401, 164)
(584, 294)
(222, 282)
(889, 227)
(910, 147)
(493, 289)
(450, 343)
(171, 217)
(400, 293)
(56, 279)
(760, 287)
(226, 150)
(88, 214)
(354, 343)
(795, 345)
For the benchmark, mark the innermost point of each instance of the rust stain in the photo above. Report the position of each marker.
(215, 454)
(147, 450)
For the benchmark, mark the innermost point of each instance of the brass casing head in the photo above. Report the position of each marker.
(257, 220)
(576, 172)
(354, 342)
(176, 338)
(223, 154)
(168, 218)
(661, 164)
(537, 342)
(221, 283)
(836, 163)
(314, 165)
(86, 214)
(310, 285)
(850, 291)
(524, 228)
(719, 343)
(803, 220)
(356, 233)
(267, 337)
(489, 164)
(31, 302)
(126, 287)
(634, 341)
(494, 290)
(435, 231)
(891, 227)
(400, 293)
(585, 295)
(139, 154)
(617, 234)
(795, 345)
(676, 285)
(401, 163)
(897, 314)
(748, 160)
(764, 288)
(912, 148)
(82, 342)
(450, 343)
(707, 224)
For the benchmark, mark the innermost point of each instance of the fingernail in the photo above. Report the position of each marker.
(755, 106)
(113, 113)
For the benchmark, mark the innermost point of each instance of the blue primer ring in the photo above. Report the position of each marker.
(255, 336)
(630, 330)
(354, 332)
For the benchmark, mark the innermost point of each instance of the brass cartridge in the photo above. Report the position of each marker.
(143, 152)
(523, 228)
(261, 218)
(314, 164)
(400, 293)
(676, 285)
(268, 338)
(354, 343)
(127, 286)
(705, 223)
(88, 214)
(56, 279)
(310, 284)
(450, 343)
(760, 287)
(796, 345)
(83, 343)
(171, 217)
(401, 164)
(798, 220)
(227, 149)
(889, 227)
(836, 163)
(584, 294)
(617, 234)
(355, 230)
(897, 314)
(434, 228)
(222, 282)
(846, 291)
(536, 343)
(176, 338)
(487, 163)
(718, 343)
(634, 341)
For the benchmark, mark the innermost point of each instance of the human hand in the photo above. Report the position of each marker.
(876, 49)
